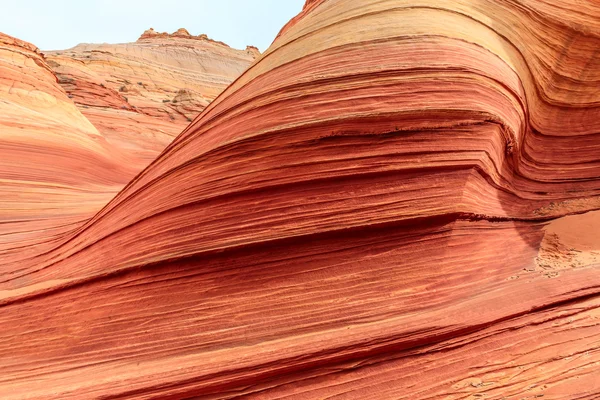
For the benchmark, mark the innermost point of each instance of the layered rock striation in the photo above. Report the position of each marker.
(141, 95)
(56, 169)
(71, 137)
(398, 200)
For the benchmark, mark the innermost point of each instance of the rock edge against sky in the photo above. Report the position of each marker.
(397, 200)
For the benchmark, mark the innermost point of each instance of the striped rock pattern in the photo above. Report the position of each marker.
(398, 200)
(56, 169)
(141, 95)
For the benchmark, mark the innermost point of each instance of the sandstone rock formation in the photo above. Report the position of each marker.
(56, 169)
(398, 200)
(141, 95)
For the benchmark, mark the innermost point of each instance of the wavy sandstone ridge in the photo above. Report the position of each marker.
(364, 213)
(141, 95)
(56, 169)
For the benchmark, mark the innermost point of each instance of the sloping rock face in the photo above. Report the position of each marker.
(399, 200)
(141, 95)
(56, 169)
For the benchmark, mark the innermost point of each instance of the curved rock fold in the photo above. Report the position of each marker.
(399, 199)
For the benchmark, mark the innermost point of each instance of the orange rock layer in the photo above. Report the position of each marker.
(70, 138)
(398, 200)
(56, 169)
(141, 95)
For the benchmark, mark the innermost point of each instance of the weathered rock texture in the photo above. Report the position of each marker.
(141, 95)
(56, 169)
(389, 204)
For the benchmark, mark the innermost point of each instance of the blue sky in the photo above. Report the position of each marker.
(61, 24)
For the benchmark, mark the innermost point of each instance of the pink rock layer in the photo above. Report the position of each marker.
(369, 211)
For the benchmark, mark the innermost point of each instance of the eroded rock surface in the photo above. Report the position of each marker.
(366, 212)
(141, 95)
(56, 169)
(74, 131)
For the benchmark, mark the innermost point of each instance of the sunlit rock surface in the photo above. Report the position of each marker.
(70, 138)
(141, 95)
(56, 169)
(398, 200)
